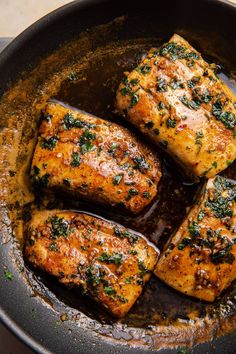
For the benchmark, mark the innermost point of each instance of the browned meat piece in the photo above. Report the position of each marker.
(94, 159)
(200, 259)
(176, 99)
(108, 261)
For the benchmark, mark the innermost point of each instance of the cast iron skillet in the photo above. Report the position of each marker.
(26, 316)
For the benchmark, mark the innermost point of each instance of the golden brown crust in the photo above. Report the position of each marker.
(176, 99)
(108, 261)
(95, 159)
(201, 259)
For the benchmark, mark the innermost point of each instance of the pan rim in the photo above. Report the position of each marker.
(7, 52)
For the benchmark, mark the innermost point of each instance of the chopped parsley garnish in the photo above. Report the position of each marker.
(201, 215)
(146, 195)
(47, 117)
(128, 280)
(115, 258)
(227, 118)
(161, 85)
(87, 147)
(108, 290)
(53, 247)
(160, 105)
(8, 275)
(192, 83)
(198, 139)
(214, 164)
(185, 242)
(194, 229)
(201, 97)
(219, 203)
(134, 99)
(134, 82)
(131, 237)
(176, 51)
(192, 104)
(164, 143)
(59, 227)
(176, 84)
(142, 268)
(75, 160)
(117, 179)
(86, 137)
(49, 143)
(131, 193)
(170, 123)
(140, 164)
(70, 122)
(113, 148)
(144, 69)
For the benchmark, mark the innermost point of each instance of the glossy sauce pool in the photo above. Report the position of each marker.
(89, 84)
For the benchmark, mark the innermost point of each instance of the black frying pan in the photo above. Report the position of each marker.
(212, 22)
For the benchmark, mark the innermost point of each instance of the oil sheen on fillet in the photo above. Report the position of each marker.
(109, 262)
(200, 260)
(175, 97)
(94, 159)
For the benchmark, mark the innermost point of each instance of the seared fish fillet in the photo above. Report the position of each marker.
(95, 159)
(200, 260)
(176, 99)
(108, 261)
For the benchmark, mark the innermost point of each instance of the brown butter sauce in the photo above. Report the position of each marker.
(90, 85)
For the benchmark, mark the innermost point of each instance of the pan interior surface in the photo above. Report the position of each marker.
(85, 73)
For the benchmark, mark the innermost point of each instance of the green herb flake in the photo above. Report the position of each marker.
(164, 143)
(108, 290)
(144, 69)
(115, 258)
(176, 84)
(160, 105)
(128, 280)
(134, 99)
(146, 195)
(140, 164)
(53, 247)
(87, 147)
(117, 179)
(131, 193)
(134, 82)
(227, 118)
(49, 143)
(214, 164)
(191, 104)
(170, 123)
(161, 85)
(59, 227)
(75, 160)
(192, 83)
(194, 229)
(8, 275)
(142, 268)
(133, 252)
(201, 215)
